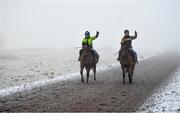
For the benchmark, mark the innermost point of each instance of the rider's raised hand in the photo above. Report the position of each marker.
(97, 33)
(135, 32)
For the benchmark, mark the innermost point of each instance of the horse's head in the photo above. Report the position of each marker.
(124, 50)
(86, 50)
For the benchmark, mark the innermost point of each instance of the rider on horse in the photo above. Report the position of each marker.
(87, 41)
(127, 40)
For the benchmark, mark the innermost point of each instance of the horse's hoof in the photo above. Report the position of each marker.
(82, 80)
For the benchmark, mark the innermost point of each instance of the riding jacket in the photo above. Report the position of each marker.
(127, 40)
(88, 40)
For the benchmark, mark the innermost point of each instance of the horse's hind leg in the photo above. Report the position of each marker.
(87, 70)
(81, 72)
(94, 69)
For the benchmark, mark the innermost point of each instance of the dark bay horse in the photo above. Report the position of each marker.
(88, 62)
(127, 63)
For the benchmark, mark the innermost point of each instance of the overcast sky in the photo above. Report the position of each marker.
(59, 24)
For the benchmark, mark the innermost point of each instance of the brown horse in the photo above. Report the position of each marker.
(127, 63)
(88, 62)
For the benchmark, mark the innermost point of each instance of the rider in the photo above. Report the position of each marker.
(87, 40)
(127, 40)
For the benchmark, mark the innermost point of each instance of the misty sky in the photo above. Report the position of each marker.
(59, 24)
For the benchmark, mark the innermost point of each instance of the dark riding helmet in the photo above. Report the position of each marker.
(87, 33)
(126, 31)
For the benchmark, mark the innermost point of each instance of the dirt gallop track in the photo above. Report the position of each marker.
(106, 94)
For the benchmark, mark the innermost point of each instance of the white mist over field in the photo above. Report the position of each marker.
(1, 38)
(179, 24)
(61, 24)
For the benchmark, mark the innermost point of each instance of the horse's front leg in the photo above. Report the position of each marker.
(81, 72)
(123, 70)
(94, 69)
(130, 73)
(130, 77)
(87, 70)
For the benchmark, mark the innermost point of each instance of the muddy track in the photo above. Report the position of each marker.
(106, 94)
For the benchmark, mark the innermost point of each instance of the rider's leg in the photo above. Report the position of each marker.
(95, 53)
(134, 55)
(80, 53)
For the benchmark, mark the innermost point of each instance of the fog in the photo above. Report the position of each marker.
(60, 24)
(179, 25)
(1, 38)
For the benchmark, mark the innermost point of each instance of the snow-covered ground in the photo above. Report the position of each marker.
(22, 66)
(166, 98)
(28, 68)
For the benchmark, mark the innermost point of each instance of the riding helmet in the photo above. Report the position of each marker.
(87, 33)
(126, 31)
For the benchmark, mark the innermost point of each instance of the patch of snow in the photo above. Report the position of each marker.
(166, 98)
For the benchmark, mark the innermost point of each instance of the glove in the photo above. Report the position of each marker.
(135, 32)
(97, 33)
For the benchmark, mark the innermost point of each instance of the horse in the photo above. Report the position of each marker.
(87, 61)
(127, 63)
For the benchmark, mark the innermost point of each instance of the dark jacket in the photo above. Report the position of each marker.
(127, 40)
